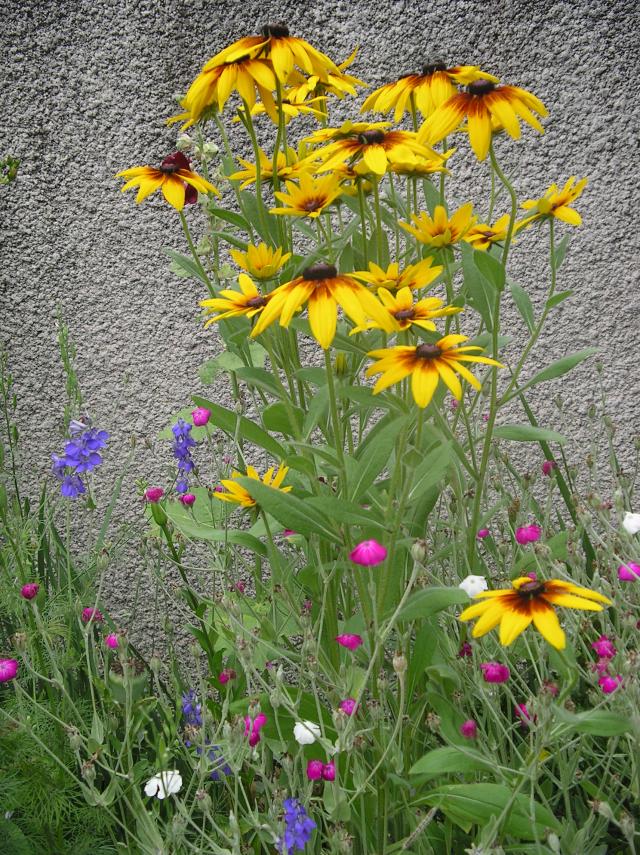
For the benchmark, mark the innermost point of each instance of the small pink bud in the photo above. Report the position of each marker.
(494, 672)
(349, 640)
(348, 706)
(532, 575)
(368, 553)
(469, 729)
(482, 533)
(187, 499)
(609, 684)
(288, 532)
(528, 534)
(8, 669)
(91, 614)
(30, 590)
(252, 728)
(218, 489)
(485, 417)
(306, 607)
(200, 416)
(314, 770)
(329, 771)
(454, 404)
(226, 675)
(629, 572)
(548, 466)
(465, 650)
(604, 647)
(153, 494)
(523, 714)
(111, 641)
(240, 587)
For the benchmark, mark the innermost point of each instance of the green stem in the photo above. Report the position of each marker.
(196, 258)
(335, 419)
(363, 220)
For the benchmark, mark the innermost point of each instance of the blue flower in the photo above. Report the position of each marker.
(183, 442)
(80, 455)
(191, 709)
(298, 828)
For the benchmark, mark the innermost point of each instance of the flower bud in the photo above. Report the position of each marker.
(184, 142)
(153, 494)
(30, 590)
(418, 551)
(399, 663)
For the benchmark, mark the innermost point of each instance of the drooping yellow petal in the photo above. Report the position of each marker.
(173, 191)
(512, 624)
(547, 623)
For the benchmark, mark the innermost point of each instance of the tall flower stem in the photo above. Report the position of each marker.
(379, 232)
(196, 257)
(335, 419)
(247, 121)
(363, 220)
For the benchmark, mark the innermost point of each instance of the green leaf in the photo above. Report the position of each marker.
(595, 722)
(276, 417)
(561, 250)
(558, 546)
(429, 601)
(229, 422)
(490, 268)
(260, 378)
(373, 459)
(430, 471)
(523, 304)
(229, 237)
(344, 512)
(479, 291)
(230, 217)
(554, 301)
(184, 266)
(528, 433)
(225, 361)
(290, 511)
(450, 759)
(557, 369)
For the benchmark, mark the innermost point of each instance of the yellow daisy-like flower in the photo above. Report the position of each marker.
(240, 496)
(260, 261)
(301, 88)
(427, 364)
(178, 183)
(430, 89)
(441, 230)
(290, 109)
(232, 304)
(310, 197)
(555, 203)
(323, 289)
(483, 105)
(403, 312)
(375, 146)
(421, 167)
(481, 235)
(288, 167)
(418, 275)
(530, 600)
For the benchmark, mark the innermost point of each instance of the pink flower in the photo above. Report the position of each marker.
(532, 575)
(200, 416)
(252, 728)
(187, 499)
(368, 553)
(548, 466)
(629, 572)
(91, 614)
(601, 666)
(226, 675)
(329, 771)
(528, 534)
(8, 669)
(288, 532)
(454, 404)
(465, 650)
(153, 494)
(609, 684)
(482, 533)
(30, 590)
(469, 729)
(350, 641)
(494, 672)
(111, 641)
(604, 647)
(240, 587)
(348, 706)
(314, 770)
(218, 489)
(523, 714)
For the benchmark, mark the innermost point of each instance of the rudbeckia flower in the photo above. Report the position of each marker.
(530, 601)
(260, 261)
(377, 147)
(422, 166)
(441, 230)
(427, 364)
(555, 203)
(288, 167)
(415, 276)
(180, 186)
(323, 290)
(486, 106)
(300, 88)
(232, 304)
(481, 235)
(403, 312)
(429, 90)
(240, 496)
(310, 197)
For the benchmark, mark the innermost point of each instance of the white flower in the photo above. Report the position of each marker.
(473, 585)
(165, 784)
(306, 732)
(631, 523)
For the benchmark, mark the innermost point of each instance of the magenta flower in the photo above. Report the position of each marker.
(111, 641)
(523, 714)
(153, 494)
(494, 672)
(609, 684)
(465, 650)
(288, 532)
(548, 466)
(329, 771)
(226, 675)
(348, 706)
(200, 416)
(252, 728)
(482, 533)
(91, 614)
(8, 669)
(368, 553)
(314, 770)
(528, 534)
(629, 572)
(469, 729)
(349, 640)
(240, 587)
(187, 499)
(604, 647)
(30, 590)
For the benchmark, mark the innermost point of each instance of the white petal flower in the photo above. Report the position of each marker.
(473, 585)
(306, 732)
(164, 784)
(631, 523)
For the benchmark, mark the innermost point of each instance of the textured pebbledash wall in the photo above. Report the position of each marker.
(86, 88)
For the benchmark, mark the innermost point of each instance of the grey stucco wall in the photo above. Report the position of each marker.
(86, 89)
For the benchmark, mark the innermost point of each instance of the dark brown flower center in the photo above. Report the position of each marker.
(169, 168)
(278, 31)
(428, 351)
(431, 67)
(313, 204)
(532, 589)
(480, 87)
(256, 302)
(371, 137)
(404, 314)
(319, 270)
